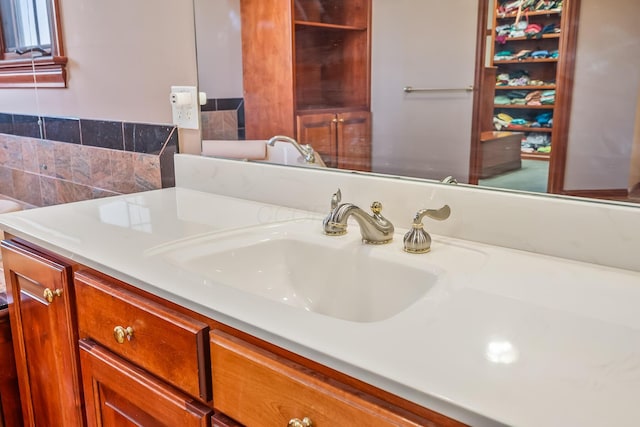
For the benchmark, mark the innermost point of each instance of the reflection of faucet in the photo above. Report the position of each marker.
(417, 240)
(306, 151)
(449, 180)
(375, 229)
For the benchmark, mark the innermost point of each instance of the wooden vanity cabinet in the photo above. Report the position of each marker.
(10, 412)
(41, 303)
(143, 363)
(135, 359)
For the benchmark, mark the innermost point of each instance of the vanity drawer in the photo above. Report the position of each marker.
(116, 392)
(158, 339)
(258, 388)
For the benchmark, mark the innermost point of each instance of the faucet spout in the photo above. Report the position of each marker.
(375, 229)
(306, 151)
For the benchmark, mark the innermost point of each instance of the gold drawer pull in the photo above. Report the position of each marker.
(49, 294)
(120, 333)
(295, 422)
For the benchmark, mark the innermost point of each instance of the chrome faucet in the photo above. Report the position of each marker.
(375, 229)
(417, 240)
(306, 151)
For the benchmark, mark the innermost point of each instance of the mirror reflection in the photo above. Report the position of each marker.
(528, 95)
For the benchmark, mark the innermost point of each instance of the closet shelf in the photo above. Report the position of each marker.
(527, 14)
(526, 61)
(544, 36)
(524, 107)
(526, 129)
(535, 156)
(531, 87)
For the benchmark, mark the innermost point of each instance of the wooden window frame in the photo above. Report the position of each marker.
(36, 71)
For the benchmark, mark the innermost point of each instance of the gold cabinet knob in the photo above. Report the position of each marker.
(49, 294)
(120, 333)
(295, 422)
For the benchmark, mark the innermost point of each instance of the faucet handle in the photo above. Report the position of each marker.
(437, 214)
(417, 240)
(335, 199)
(329, 223)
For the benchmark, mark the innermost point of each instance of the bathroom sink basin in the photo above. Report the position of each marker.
(294, 263)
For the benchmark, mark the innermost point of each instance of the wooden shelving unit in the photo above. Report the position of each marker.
(538, 69)
(307, 75)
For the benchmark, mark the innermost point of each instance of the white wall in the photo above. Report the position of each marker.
(607, 79)
(219, 47)
(123, 58)
(422, 43)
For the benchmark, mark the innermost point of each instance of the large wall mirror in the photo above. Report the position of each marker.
(437, 46)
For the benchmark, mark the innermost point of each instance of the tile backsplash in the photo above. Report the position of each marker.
(223, 118)
(59, 160)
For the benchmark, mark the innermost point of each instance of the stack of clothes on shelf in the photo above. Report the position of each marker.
(524, 97)
(509, 55)
(536, 143)
(548, 97)
(519, 78)
(504, 121)
(524, 29)
(513, 6)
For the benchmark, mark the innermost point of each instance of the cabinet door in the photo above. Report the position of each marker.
(260, 389)
(319, 130)
(9, 394)
(354, 140)
(120, 394)
(40, 301)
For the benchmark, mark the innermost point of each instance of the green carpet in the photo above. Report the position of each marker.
(531, 177)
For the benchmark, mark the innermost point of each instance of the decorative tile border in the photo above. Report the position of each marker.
(125, 136)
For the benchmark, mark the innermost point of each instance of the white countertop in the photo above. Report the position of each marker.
(554, 342)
